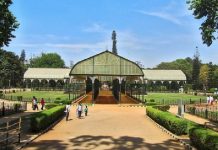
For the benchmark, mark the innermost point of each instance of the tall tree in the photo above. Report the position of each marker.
(10, 69)
(196, 70)
(49, 60)
(204, 76)
(8, 23)
(206, 10)
(211, 81)
(22, 56)
(114, 46)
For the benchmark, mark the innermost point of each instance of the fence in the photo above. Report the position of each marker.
(10, 133)
(11, 107)
(205, 111)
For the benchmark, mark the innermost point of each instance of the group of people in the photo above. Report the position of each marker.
(211, 100)
(79, 111)
(35, 103)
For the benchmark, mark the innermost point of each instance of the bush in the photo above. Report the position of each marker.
(50, 105)
(152, 100)
(17, 106)
(162, 107)
(151, 103)
(44, 119)
(1, 94)
(62, 101)
(19, 98)
(169, 121)
(204, 139)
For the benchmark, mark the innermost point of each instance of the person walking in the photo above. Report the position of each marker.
(42, 103)
(67, 111)
(79, 109)
(35, 103)
(86, 110)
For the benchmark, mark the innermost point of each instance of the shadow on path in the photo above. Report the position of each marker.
(121, 143)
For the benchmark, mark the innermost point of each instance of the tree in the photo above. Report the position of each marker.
(207, 10)
(8, 23)
(204, 76)
(10, 69)
(196, 70)
(49, 60)
(114, 47)
(22, 56)
(211, 81)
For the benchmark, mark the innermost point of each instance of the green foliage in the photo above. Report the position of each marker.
(196, 70)
(206, 10)
(42, 120)
(50, 105)
(172, 123)
(1, 94)
(10, 69)
(162, 107)
(8, 23)
(114, 47)
(151, 103)
(49, 60)
(19, 98)
(204, 139)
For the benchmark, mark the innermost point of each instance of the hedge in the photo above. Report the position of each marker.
(43, 119)
(203, 138)
(169, 121)
(51, 105)
(162, 107)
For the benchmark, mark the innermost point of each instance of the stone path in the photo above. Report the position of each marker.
(107, 127)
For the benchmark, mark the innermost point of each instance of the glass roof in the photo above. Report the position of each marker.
(106, 64)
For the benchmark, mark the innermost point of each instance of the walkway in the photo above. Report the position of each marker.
(106, 127)
(199, 120)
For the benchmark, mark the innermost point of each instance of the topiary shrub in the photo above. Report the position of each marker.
(50, 105)
(150, 103)
(152, 100)
(43, 119)
(162, 107)
(19, 98)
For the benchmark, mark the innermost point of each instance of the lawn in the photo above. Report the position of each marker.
(47, 95)
(160, 97)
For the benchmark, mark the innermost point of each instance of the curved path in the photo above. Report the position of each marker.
(107, 127)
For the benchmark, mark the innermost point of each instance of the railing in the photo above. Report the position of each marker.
(11, 107)
(205, 111)
(10, 133)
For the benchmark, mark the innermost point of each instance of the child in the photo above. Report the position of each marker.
(86, 110)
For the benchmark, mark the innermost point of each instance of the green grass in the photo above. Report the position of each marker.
(173, 97)
(47, 95)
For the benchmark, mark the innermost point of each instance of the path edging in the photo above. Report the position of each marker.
(173, 135)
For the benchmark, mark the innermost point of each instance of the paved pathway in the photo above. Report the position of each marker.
(107, 127)
(199, 120)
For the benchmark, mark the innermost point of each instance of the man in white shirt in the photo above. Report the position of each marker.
(67, 111)
(79, 109)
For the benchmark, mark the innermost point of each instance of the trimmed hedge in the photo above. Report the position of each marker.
(43, 119)
(169, 121)
(162, 107)
(150, 103)
(203, 138)
(51, 105)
